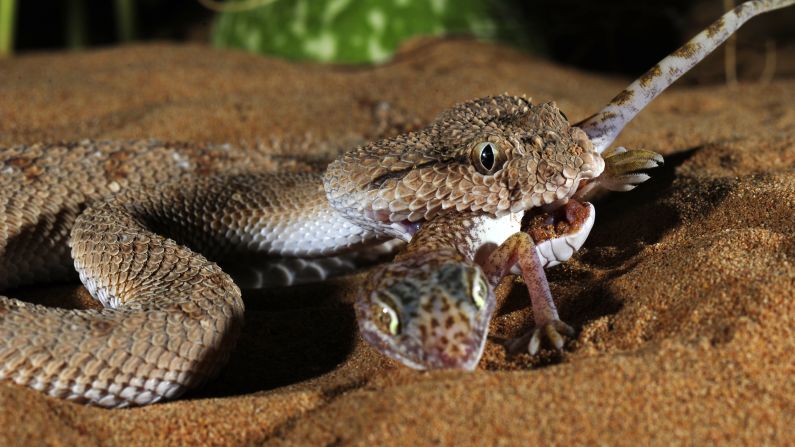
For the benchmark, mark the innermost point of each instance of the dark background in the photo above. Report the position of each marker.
(617, 37)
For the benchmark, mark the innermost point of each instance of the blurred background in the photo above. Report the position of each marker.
(618, 37)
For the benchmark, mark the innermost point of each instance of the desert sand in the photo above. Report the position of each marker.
(682, 297)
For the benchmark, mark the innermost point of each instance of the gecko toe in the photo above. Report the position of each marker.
(555, 332)
(554, 336)
(563, 328)
(535, 342)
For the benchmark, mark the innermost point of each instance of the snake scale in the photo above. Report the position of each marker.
(146, 224)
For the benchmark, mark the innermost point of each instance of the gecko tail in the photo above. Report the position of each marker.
(604, 126)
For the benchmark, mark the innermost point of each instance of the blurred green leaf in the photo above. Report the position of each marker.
(7, 18)
(350, 31)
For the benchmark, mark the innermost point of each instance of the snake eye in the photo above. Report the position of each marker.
(487, 157)
(480, 291)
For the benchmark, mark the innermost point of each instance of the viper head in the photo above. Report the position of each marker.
(494, 155)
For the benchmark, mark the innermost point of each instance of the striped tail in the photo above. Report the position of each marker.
(603, 127)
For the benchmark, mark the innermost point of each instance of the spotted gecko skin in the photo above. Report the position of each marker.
(430, 308)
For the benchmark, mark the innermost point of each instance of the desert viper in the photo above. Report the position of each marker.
(125, 214)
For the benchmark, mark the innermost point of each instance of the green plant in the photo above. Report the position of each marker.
(349, 31)
(7, 18)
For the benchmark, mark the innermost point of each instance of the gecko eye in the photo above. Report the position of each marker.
(563, 115)
(480, 291)
(389, 319)
(487, 157)
(386, 318)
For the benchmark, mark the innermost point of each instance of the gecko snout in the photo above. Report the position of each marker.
(427, 315)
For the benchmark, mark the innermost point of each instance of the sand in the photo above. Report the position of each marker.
(682, 297)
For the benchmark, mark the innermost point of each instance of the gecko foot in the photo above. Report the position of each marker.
(530, 342)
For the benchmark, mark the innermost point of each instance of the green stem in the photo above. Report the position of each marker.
(125, 20)
(7, 16)
(76, 24)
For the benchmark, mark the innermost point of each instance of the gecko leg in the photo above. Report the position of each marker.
(519, 249)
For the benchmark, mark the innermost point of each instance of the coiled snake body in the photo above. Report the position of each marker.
(132, 218)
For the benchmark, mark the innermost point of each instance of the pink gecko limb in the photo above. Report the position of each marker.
(519, 249)
(603, 127)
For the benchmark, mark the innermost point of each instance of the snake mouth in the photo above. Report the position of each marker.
(559, 232)
(556, 221)
(404, 229)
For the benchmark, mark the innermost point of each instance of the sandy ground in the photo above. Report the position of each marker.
(682, 297)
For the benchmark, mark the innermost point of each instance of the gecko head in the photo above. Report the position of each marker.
(427, 314)
(495, 155)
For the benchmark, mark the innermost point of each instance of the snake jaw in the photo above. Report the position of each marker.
(560, 232)
(402, 230)
(417, 176)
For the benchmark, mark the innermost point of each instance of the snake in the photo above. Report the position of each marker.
(147, 226)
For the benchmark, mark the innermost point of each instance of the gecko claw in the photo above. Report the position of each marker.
(554, 331)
